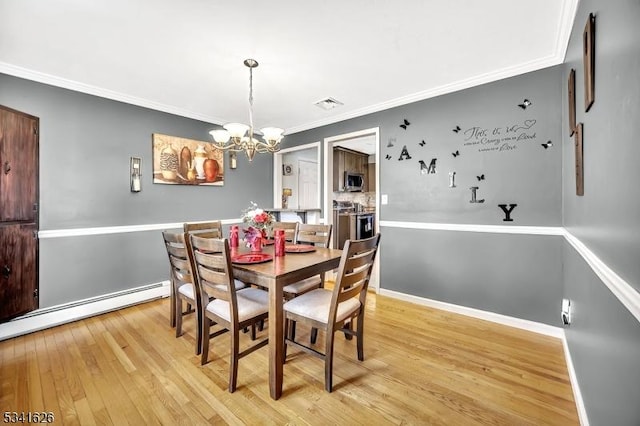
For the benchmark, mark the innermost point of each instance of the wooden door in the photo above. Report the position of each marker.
(18, 273)
(307, 184)
(18, 213)
(19, 166)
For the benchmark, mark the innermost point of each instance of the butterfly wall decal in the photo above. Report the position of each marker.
(405, 124)
(390, 142)
(525, 104)
(455, 154)
(547, 145)
(421, 143)
(457, 129)
(481, 177)
(388, 157)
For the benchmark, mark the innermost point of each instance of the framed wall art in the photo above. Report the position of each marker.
(572, 102)
(180, 161)
(588, 60)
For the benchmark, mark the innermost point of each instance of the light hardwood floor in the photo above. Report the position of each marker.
(422, 366)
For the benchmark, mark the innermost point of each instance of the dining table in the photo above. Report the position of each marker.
(274, 274)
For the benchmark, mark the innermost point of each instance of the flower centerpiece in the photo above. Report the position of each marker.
(259, 223)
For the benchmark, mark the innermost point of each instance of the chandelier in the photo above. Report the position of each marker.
(232, 137)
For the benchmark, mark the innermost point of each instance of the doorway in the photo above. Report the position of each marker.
(298, 170)
(355, 140)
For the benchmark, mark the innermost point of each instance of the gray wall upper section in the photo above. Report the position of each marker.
(85, 145)
(527, 174)
(607, 217)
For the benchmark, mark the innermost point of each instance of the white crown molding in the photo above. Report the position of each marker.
(520, 323)
(575, 386)
(565, 26)
(497, 229)
(103, 93)
(432, 93)
(103, 230)
(62, 314)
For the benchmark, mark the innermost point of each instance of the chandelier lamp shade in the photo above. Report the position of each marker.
(238, 137)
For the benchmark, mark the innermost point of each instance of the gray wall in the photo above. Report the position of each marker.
(604, 338)
(85, 145)
(514, 275)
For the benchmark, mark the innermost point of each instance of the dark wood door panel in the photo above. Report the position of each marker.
(18, 270)
(18, 166)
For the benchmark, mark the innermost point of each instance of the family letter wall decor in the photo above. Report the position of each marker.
(588, 60)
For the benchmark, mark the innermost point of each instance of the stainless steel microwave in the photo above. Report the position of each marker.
(353, 182)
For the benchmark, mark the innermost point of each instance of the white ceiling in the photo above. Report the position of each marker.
(185, 57)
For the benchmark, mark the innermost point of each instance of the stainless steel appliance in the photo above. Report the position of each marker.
(351, 223)
(353, 182)
(364, 225)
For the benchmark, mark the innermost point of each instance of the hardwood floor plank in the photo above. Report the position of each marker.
(422, 366)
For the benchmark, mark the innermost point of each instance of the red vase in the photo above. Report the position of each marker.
(256, 246)
(211, 169)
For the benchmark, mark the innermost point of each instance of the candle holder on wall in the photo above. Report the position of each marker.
(136, 174)
(233, 160)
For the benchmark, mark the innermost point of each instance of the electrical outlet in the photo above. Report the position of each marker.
(566, 312)
(384, 199)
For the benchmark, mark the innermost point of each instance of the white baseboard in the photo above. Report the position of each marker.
(523, 324)
(577, 395)
(61, 314)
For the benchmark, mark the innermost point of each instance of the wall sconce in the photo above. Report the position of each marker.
(136, 169)
(233, 159)
(286, 193)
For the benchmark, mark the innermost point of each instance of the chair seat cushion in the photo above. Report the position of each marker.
(251, 303)
(303, 286)
(316, 304)
(187, 291)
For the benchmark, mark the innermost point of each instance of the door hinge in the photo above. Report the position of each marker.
(35, 207)
(35, 235)
(35, 130)
(35, 293)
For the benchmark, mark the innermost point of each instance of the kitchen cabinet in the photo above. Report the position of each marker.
(347, 160)
(370, 181)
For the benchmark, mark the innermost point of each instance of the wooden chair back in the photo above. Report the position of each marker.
(289, 229)
(212, 271)
(214, 226)
(318, 235)
(354, 272)
(179, 266)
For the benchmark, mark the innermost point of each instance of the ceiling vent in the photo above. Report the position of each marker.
(328, 103)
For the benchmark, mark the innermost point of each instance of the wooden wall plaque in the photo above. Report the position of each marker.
(572, 102)
(579, 163)
(588, 60)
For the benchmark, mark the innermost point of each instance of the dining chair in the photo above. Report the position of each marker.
(214, 226)
(221, 303)
(289, 229)
(312, 234)
(181, 280)
(331, 310)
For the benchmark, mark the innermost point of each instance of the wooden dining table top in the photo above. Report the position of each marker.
(286, 269)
